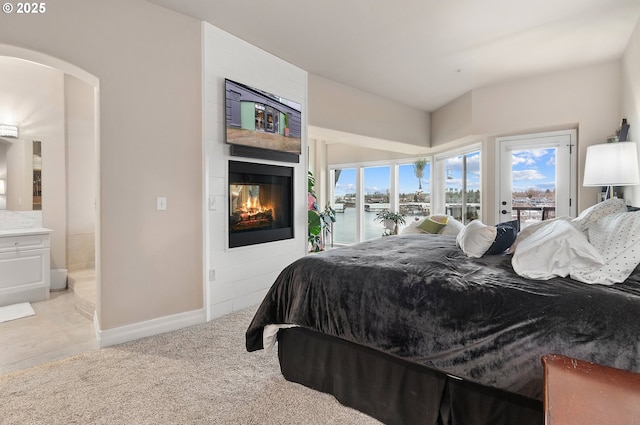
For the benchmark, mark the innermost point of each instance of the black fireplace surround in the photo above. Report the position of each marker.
(260, 203)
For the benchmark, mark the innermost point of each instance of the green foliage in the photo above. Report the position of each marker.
(318, 222)
(314, 223)
(395, 217)
(311, 182)
(419, 166)
(314, 226)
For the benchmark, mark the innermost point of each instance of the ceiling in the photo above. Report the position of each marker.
(425, 53)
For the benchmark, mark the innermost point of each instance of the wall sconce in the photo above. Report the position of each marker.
(611, 164)
(3, 188)
(9, 131)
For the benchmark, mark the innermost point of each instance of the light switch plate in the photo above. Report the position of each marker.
(161, 203)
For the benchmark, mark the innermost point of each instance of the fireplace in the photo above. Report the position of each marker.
(260, 203)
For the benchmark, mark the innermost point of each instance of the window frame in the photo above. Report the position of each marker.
(394, 196)
(439, 187)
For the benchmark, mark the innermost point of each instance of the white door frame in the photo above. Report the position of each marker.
(530, 139)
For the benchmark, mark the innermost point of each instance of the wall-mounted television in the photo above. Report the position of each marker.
(261, 122)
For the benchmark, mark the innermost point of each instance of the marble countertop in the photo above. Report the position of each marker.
(25, 231)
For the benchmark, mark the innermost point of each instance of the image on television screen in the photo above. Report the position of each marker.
(261, 120)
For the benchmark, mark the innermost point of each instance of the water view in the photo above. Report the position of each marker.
(344, 229)
(533, 191)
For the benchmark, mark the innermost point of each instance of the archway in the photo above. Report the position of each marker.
(91, 83)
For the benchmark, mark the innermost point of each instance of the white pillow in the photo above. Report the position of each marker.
(476, 238)
(599, 210)
(452, 228)
(532, 228)
(554, 249)
(617, 239)
(411, 228)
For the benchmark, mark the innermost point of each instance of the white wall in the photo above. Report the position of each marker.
(348, 125)
(82, 175)
(346, 109)
(631, 100)
(348, 154)
(33, 98)
(52, 107)
(4, 147)
(147, 64)
(243, 275)
(453, 121)
(586, 99)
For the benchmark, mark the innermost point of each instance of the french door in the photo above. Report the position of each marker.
(536, 176)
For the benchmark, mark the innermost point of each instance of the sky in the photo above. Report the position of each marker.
(376, 179)
(532, 168)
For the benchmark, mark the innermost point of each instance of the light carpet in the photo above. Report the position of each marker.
(15, 311)
(197, 375)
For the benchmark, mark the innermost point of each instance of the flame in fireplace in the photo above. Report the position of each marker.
(252, 207)
(247, 212)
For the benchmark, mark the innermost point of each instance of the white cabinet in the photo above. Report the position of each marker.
(24, 265)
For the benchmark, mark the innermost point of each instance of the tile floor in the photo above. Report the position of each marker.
(56, 331)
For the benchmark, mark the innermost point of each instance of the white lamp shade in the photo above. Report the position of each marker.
(611, 164)
(3, 189)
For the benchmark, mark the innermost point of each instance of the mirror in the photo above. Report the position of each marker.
(21, 169)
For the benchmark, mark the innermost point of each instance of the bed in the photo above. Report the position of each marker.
(410, 329)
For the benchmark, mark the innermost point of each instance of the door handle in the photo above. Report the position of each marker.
(505, 212)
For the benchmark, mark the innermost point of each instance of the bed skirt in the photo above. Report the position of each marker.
(393, 390)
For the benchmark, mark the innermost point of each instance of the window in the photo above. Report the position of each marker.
(360, 191)
(376, 199)
(344, 202)
(414, 190)
(459, 185)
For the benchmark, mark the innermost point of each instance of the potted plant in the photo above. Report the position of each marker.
(390, 220)
(314, 223)
(318, 222)
(418, 169)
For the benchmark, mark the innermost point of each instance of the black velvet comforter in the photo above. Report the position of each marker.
(420, 298)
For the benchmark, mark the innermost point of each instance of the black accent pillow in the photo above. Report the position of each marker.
(513, 223)
(505, 237)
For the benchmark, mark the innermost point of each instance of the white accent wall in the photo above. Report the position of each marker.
(242, 276)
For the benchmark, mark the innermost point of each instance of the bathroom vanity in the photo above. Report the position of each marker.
(24, 265)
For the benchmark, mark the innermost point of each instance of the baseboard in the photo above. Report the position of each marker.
(147, 328)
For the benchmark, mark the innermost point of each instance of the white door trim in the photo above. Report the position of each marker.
(530, 138)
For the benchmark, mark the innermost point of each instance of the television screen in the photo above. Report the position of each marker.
(261, 120)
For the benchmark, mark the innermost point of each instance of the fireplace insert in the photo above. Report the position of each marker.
(260, 203)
